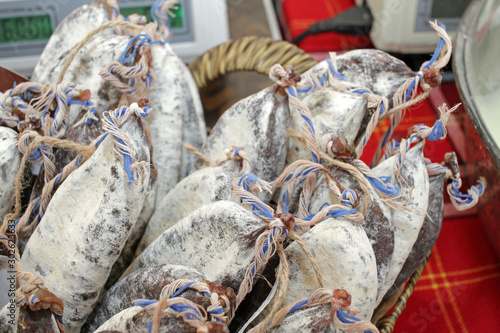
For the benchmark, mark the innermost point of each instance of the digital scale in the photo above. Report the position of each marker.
(403, 26)
(26, 26)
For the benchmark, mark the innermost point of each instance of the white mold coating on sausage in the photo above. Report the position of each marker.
(69, 32)
(374, 69)
(84, 70)
(346, 261)
(136, 319)
(309, 320)
(332, 112)
(213, 240)
(166, 123)
(414, 187)
(9, 165)
(85, 228)
(120, 321)
(194, 129)
(257, 123)
(428, 233)
(198, 189)
(146, 283)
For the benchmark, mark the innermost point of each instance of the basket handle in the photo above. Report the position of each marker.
(255, 54)
(386, 323)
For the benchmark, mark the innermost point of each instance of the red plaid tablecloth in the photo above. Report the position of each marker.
(459, 289)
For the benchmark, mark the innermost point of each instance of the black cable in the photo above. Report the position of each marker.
(356, 21)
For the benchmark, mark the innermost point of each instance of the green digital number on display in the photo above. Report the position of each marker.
(176, 22)
(25, 28)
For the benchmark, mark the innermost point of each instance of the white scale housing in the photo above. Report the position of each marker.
(403, 25)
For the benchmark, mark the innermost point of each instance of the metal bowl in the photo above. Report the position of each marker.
(476, 62)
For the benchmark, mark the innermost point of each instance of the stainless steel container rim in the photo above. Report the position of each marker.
(460, 56)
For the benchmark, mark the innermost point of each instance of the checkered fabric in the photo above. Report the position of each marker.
(459, 289)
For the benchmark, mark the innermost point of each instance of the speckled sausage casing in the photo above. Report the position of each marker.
(84, 71)
(259, 124)
(9, 165)
(376, 70)
(198, 189)
(217, 240)
(428, 233)
(332, 112)
(407, 223)
(69, 32)
(145, 283)
(85, 227)
(136, 320)
(346, 261)
(81, 133)
(310, 320)
(377, 223)
(176, 111)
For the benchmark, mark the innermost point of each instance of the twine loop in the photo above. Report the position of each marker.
(451, 170)
(381, 105)
(465, 201)
(15, 103)
(349, 198)
(236, 154)
(139, 75)
(422, 132)
(386, 189)
(342, 312)
(312, 82)
(284, 77)
(135, 64)
(33, 293)
(431, 77)
(354, 171)
(160, 11)
(88, 117)
(428, 77)
(112, 120)
(278, 224)
(283, 222)
(194, 314)
(31, 139)
(438, 130)
(298, 170)
(375, 100)
(220, 298)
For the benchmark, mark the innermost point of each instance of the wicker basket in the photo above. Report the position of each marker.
(253, 54)
(258, 54)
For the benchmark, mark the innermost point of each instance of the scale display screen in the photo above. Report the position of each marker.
(25, 28)
(176, 21)
(447, 12)
(449, 8)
